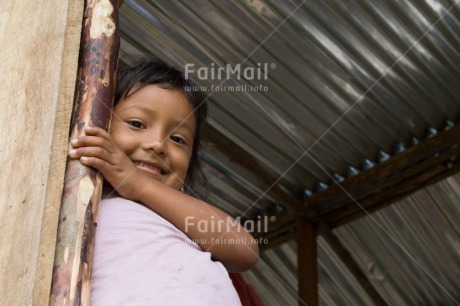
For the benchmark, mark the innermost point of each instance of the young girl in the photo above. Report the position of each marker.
(156, 245)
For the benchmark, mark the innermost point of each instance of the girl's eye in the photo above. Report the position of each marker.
(136, 124)
(178, 139)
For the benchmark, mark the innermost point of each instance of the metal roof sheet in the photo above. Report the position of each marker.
(351, 78)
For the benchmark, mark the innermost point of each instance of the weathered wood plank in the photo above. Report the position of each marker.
(39, 57)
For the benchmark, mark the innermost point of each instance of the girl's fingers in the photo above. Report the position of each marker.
(92, 141)
(95, 162)
(94, 137)
(92, 152)
(96, 131)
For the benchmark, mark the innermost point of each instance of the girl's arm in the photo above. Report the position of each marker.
(211, 228)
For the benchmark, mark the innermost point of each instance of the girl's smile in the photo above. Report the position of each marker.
(154, 169)
(155, 128)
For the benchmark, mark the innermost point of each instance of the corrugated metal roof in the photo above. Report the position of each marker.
(388, 70)
(347, 83)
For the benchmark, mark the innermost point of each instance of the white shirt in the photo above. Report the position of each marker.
(142, 259)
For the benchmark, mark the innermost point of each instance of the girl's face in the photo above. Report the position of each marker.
(155, 127)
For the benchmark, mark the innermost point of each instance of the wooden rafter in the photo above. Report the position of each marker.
(430, 161)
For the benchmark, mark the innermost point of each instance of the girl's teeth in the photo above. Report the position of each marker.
(150, 167)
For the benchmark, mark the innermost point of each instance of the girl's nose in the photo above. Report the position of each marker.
(158, 146)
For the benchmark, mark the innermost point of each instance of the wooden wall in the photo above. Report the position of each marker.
(38, 63)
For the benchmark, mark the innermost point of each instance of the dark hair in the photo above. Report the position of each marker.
(148, 71)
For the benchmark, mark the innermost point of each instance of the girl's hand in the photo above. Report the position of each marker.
(98, 150)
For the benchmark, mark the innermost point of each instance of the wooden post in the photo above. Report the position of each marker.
(83, 186)
(39, 59)
(307, 263)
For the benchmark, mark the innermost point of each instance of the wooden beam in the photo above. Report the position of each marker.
(307, 263)
(39, 60)
(391, 194)
(419, 166)
(83, 186)
(388, 169)
(349, 262)
(422, 167)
